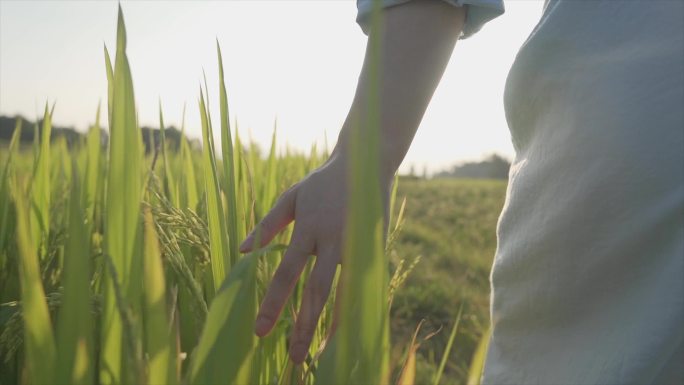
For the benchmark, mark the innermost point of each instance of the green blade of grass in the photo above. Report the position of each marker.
(110, 85)
(39, 343)
(168, 174)
(158, 336)
(218, 240)
(447, 350)
(36, 140)
(40, 187)
(74, 338)
(361, 349)
(187, 181)
(226, 346)
(407, 376)
(243, 207)
(270, 182)
(93, 176)
(230, 187)
(392, 201)
(5, 193)
(478, 361)
(122, 219)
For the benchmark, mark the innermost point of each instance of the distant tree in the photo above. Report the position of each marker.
(150, 136)
(493, 167)
(7, 125)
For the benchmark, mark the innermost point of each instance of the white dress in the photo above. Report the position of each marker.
(588, 277)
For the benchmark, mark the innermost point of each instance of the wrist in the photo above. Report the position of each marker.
(340, 158)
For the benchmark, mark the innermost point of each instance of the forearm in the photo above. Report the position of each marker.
(417, 39)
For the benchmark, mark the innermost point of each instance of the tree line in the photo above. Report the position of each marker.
(151, 135)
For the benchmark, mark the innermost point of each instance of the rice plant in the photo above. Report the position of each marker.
(126, 269)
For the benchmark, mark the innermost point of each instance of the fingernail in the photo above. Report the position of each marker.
(261, 325)
(298, 352)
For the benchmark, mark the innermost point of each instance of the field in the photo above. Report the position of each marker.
(450, 224)
(121, 266)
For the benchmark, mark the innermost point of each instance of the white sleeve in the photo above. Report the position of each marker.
(478, 12)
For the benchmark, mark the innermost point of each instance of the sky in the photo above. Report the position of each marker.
(294, 61)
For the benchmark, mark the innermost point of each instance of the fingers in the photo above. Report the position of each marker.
(313, 300)
(280, 216)
(283, 282)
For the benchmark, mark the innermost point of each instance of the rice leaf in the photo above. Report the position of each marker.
(93, 176)
(230, 182)
(447, 350)
(187, 183)
(408, 372)
(75, 328)
(122, 219)
(270, 181)
(168, 174)
(224, 353)
(40, 188)
(478, 361)
(361, 348)
(110, 86)
(218, 240)
(5, 228)
(158, 337)
(39, 343)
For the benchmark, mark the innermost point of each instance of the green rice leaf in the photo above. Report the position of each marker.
(187, 183)
(361, 346)
(39, 343)
(40, 187)
(110, 85)
(5, 192)
(218, 239)
(93, 176)
(75, 360)
(478, 361)
(158, 337)
(122, 219)
(224, 353)
(230, 182)
(168, 174)
(447, 350)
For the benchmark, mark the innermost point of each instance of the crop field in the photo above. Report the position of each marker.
(450, 224)
(119, 266)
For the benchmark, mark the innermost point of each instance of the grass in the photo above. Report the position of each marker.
(121, 267)
(451, 224)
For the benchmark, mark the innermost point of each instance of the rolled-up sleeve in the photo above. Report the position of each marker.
(478, 12)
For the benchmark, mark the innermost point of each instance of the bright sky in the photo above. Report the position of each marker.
(294, 60)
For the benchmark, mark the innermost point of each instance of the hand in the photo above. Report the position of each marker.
(317, 205)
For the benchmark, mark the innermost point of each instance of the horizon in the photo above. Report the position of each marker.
(304, 80)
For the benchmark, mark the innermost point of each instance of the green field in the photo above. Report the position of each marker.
(451, 224)
(122, 266)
